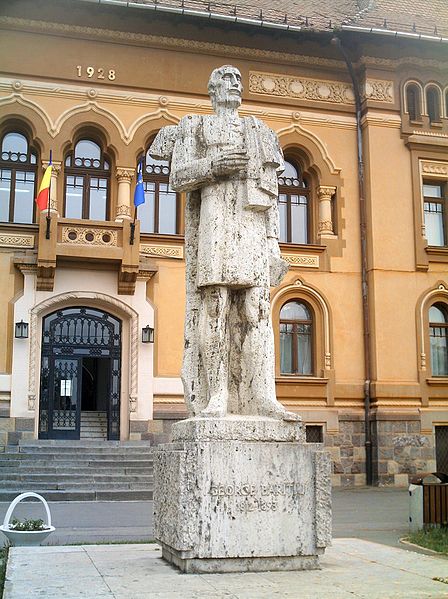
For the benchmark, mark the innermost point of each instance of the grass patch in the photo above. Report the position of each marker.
(433, 538)
(3, 560)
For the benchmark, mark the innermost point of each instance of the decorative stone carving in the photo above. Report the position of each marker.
(336, 92)
(307, 89)
(162, 251)
(379, 90)
(15, 240)
(435, 168)
(238, 489)
(89, 236)
(55, 172)
(124, 176)
(301, 260)
(325, 225)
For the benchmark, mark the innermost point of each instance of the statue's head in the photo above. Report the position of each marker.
(225, 87)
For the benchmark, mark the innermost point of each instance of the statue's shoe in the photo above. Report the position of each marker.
(275, 409)
(217, 408)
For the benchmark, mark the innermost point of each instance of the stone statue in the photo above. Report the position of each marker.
(228, 166)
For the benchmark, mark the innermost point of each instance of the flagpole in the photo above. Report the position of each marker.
(47, 232)
(131, 239)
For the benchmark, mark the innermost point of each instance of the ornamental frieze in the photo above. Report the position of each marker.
(162, 251)
(435, 168)
(16, 240)
(301, 260)
(320, 90)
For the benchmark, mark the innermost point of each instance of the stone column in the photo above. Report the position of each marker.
(124, 177)
(55, 171)
(325, 194)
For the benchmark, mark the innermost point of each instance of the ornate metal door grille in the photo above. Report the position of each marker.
(68, 335)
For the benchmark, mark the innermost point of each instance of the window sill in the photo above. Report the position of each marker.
(26, 226)
(301, 380)
(302, 248)
(437, 253)
(437, 381)
(161, 237)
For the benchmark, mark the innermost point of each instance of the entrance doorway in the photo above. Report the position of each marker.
(80, 371)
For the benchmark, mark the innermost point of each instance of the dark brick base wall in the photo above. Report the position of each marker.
(400, 450)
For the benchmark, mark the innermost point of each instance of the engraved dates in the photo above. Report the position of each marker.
(90, 72)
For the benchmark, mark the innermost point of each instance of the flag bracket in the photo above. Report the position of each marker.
(47, 231)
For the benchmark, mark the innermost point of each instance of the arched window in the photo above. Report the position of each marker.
(296, 338)
(413, 102)
(438, 333)
(293, 205)
(433, 104)
(160, 212)
(87, 182)
(18, 166)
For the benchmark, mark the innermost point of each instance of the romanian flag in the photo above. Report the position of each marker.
(44, 190)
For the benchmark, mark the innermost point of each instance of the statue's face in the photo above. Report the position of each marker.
(229, 88)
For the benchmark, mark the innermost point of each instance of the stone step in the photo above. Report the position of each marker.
(118, 468)
(76, 464)
(74, 444)
(83, 470)
(75, 478)
(80, 495)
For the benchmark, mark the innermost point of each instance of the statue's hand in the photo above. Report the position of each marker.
(229, 161)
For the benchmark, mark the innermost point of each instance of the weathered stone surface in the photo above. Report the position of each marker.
(237, 428)
(228, 166)
(264, 504)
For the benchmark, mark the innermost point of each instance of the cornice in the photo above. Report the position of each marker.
(187, 45)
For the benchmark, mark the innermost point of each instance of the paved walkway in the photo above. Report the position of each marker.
(352, 568)
(372, 514)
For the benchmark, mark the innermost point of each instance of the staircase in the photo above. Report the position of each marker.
(94, 426)
(85, 470)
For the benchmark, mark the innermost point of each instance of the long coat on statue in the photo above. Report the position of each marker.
(228, 219)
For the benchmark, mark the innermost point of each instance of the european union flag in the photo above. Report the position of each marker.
(139, 193)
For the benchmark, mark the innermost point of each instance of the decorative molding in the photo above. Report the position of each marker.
(272, 84)
(16, 240)
(56, 168)
(379, 90)
(321, 90)
(439, 169)
(326, 226)
(125, 174)
(163, 251)
(47, 305)
(325, 192)
(78, 236)
(123, 210)
(188, 45)
(301, 260)
(306, 289)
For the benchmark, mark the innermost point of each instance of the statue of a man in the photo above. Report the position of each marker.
(228, 166)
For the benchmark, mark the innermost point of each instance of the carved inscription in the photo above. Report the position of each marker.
(249, 497)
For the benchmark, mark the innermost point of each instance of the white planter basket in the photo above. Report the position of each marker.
(26, 538)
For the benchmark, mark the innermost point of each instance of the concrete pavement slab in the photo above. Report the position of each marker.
(352, 568)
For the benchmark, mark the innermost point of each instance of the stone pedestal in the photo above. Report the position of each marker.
(241, 493)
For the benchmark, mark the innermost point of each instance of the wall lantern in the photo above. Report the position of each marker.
(147, 334)
(21, 330)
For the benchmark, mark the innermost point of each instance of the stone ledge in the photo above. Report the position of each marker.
(238, 428)
(239, 564)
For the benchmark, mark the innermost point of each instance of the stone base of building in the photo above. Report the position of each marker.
(240, 494)
(248, 564)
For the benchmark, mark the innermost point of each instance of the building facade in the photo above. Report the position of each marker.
(361, 319)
